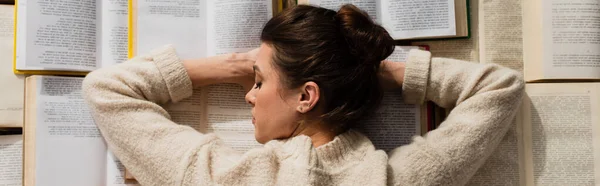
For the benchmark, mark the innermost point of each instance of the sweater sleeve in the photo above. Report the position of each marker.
(485, 98)
(124, 101)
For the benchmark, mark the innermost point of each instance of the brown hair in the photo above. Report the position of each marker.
(340, 51)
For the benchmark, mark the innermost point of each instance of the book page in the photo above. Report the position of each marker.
(501, 43)
(21, 37)
(229, 116)
(235, 25)
(11, 158)
(500, 33)
(181, 23)
(11, 109)
(400, 53)
(424, 18)
(226, 114)
(463, 48)
(115, 172)
(571, 39)
(66, 136)
(394, 123)
(189, 111)
(369, 6)
(562, 134)
(61, 34)
(113, 34)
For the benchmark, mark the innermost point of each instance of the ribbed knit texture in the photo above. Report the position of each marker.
(124, 100)
(415, 76)
(171, 69)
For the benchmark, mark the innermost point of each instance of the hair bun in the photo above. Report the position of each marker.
(367, 40)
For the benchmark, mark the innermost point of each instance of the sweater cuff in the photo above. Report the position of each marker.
(416, 76)
(173, 73)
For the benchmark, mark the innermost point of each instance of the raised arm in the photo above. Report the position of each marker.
(484, 98)
(124, 101)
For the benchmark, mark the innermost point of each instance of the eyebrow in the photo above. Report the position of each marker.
(256, 69)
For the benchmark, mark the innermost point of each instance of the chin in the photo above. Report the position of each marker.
(260, 139)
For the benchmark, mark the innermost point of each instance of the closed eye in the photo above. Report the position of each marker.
(258, 85)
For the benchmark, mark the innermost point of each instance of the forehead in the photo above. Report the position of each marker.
(263, 60)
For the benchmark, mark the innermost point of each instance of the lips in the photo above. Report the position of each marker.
(253, 119)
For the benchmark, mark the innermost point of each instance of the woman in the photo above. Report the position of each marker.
(317, 72)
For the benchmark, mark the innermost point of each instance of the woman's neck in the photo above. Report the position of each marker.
(321, 138)
(319, 133)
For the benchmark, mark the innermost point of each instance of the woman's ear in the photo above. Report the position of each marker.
(309, 96)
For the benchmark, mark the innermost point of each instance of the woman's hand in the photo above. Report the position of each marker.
(226, 68)
(242, 70)
(391, 75)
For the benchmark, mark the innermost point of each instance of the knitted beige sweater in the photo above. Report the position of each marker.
(124, 100)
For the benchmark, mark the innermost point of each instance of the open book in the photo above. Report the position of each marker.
(561, 39)
(62, 145)
(69, 37)
(561, 134)
(555, 139)
(11, 101)
(423, 19)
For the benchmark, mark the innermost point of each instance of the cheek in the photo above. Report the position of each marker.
(274, 117)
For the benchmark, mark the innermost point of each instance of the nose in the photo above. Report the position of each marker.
(251, 97)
